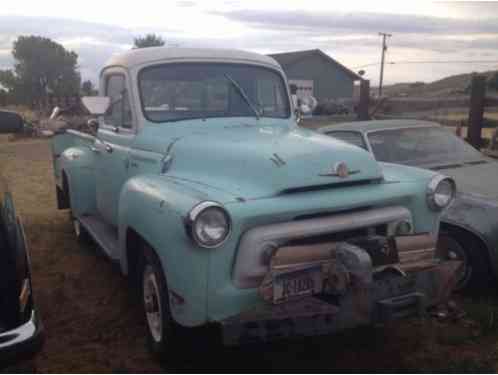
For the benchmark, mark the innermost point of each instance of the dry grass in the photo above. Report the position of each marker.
(91, 326)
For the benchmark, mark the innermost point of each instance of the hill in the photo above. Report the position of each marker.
(448, 86)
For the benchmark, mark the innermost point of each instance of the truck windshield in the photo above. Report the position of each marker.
(173, 92)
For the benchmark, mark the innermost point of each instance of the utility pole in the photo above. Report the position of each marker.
(384, 49)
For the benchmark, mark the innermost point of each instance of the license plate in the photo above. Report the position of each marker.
(297, 283)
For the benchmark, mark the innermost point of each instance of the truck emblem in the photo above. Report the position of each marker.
(340, 169)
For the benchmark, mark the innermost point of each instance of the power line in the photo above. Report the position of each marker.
(431, 62)
(446, 62)
(371, 64)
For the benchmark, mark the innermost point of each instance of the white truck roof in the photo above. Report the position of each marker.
(141, 56)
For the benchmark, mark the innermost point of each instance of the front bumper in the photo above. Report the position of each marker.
(21, 342)
(388, 298)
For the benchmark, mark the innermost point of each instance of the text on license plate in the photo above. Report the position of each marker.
(297, 283)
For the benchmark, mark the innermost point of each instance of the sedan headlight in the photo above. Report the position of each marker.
(208, 224)
(440, 192)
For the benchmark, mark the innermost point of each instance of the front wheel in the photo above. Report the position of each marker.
(155, 305)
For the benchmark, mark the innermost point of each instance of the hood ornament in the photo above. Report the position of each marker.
(340, 169)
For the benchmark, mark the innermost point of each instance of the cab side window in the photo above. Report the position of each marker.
(119, 112)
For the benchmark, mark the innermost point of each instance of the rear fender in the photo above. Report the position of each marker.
(77, 164)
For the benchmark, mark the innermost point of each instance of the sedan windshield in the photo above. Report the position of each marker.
(173, 92)
(422, 146)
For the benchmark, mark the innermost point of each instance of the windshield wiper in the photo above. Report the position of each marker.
(243, 94)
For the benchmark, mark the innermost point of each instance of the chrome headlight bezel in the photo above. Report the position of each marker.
(193, 220)
(432, 190)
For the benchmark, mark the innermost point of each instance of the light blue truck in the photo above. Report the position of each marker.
(221, 210)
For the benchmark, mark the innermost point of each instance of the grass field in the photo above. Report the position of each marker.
(92, 326)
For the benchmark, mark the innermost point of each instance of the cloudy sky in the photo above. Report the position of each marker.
(462, 36)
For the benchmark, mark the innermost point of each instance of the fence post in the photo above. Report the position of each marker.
(364, 100)
(476, 111)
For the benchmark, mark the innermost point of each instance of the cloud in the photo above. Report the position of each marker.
(186, 4)
(94, 43)
(339, 31)
(358, 22)
(351, 38)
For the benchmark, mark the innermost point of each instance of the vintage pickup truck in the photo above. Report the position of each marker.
(222, 211)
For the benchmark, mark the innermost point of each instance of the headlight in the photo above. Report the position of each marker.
(208, 224)
(440, 192)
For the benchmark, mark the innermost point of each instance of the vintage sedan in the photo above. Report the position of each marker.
(469, 228)
(20, 326)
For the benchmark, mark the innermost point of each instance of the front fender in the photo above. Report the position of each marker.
(479, 216)
(78, 165)
(155, 207)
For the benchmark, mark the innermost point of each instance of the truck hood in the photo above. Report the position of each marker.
(256, 161)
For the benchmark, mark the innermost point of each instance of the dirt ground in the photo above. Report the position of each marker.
(92, 326)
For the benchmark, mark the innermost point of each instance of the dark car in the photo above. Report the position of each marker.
(469, 227)
(20, 326)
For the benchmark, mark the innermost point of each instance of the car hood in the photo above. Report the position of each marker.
(478, 179)
(257, 161)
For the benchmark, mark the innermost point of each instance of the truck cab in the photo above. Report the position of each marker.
(222, 210)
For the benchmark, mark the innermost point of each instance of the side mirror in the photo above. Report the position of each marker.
(96, 105)
(10, 122)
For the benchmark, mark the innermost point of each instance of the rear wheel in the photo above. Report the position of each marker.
(475, 274)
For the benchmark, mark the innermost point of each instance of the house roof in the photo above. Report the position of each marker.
(142, 56)
(287, 59)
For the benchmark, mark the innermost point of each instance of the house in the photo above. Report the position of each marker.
(316, 73)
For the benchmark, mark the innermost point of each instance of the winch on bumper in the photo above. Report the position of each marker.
(327, 287)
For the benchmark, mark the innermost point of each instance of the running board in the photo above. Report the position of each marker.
(105, 235)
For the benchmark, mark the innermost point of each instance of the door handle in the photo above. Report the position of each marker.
(95, 149)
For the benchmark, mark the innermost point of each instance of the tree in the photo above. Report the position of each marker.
(41, 67)
(4, 97)
(87, 88)
(149, 40)
(493, 81)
